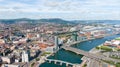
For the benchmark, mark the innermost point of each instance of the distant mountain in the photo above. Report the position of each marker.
(55, 20)
(10, 21)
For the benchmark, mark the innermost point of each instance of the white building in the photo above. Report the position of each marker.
(73, 29)
(6, 59)
(25, 56)
(2, 41)
(38, 35)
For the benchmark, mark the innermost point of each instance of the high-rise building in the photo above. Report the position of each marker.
(25, 56)
(56, 43)
(74, 37)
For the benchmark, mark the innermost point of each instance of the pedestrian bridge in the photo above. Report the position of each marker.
(60, 62)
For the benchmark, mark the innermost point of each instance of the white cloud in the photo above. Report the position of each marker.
(109, 8)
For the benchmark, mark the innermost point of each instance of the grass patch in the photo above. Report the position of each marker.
(117, 65)
(117, 49)
(85, 65)
(106, 48)
(117, 38)
(37, 59)
(32, 64)
(45, 53)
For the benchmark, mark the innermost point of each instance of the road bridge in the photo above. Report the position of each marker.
(90, 55)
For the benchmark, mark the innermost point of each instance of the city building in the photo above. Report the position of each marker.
(25, 56)
(56, 43)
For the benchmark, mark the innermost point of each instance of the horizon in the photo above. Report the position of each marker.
(62, 19)
(64, 9)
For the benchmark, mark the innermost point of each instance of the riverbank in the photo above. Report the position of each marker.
(73, 43)
(100, 51)
(83, 63)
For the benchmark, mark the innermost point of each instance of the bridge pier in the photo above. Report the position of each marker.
(60, 63)
(77, 53)
(49, 61)
(55, 62)
(67, 64)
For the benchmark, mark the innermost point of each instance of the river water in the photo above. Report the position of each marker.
(74, 58)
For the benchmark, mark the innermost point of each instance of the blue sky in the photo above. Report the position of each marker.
(65, 9)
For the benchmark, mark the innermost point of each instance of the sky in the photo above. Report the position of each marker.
(65, 9)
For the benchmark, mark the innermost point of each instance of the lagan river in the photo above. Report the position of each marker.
(74, 58)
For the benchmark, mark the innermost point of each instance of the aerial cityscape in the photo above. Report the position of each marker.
(59, 33)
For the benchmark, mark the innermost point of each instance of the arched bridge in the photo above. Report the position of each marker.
(60, 62)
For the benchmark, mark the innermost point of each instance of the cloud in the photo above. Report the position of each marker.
(53, 8)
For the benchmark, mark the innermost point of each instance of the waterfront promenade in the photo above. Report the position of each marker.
(76, 42)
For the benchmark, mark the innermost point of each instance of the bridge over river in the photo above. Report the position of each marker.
(90, 55)
(60, 62)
